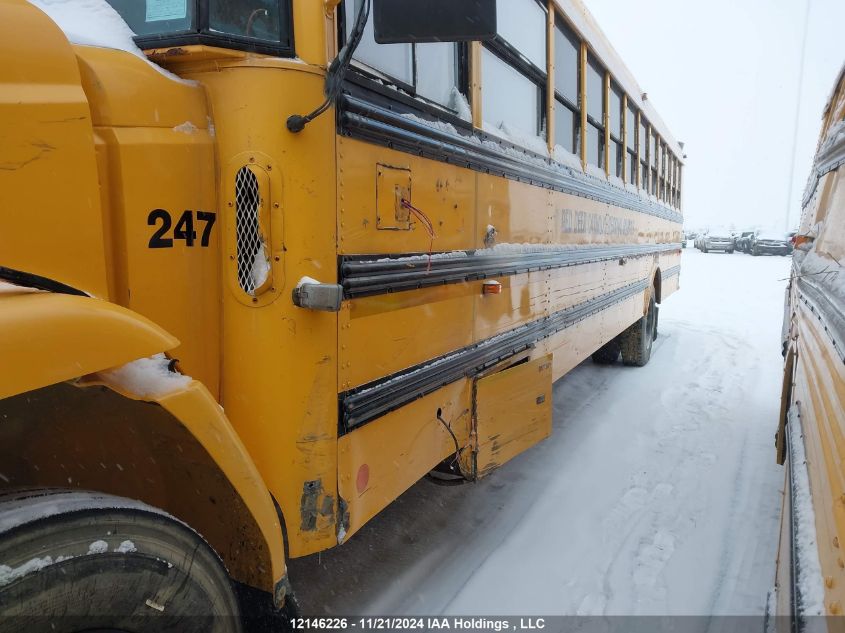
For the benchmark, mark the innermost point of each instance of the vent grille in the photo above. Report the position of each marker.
(253, 267)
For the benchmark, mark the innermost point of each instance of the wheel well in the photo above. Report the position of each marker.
(94, 439)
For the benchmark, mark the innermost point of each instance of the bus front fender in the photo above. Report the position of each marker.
(49, 338)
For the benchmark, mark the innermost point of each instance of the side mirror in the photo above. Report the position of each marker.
(421, 21)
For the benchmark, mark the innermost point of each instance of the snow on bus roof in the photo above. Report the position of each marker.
(90, 23)
(96, 23)
(584, 24)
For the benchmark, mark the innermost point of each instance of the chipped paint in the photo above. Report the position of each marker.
(315, 505)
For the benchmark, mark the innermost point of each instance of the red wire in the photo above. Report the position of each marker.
(427, 224)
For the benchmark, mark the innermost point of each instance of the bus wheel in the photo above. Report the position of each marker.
(637, 340)
(84, 561)
(608, 353)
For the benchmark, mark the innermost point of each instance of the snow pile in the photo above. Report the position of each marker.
(565, 157)
(13, 289)
(91, 23)
(260, 269)
(441, 126)
(458, 102)
(146, 377)
(808, 567)
(10, 574)
(425, 258)
(596, 171)
(306, 280)
(513, 248)
(536, 144)
(96, 23)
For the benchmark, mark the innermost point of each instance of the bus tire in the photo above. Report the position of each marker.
(637, 340)
(608, 353)
(113, 564)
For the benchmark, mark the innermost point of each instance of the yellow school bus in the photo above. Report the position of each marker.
(262, 277)
(811, 562)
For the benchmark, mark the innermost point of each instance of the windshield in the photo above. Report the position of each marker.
(232, 21)
(769, 235)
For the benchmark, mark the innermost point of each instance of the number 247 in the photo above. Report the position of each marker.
(184, 229)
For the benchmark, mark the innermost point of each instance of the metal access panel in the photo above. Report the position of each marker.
(513, 412)
(393, 184)
(398, 21)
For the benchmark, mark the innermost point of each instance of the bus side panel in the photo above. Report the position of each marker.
(380, 460)
(386, 333)
(383, 334)
(820, 390)
(577, 342)
(520, 213)
(513, 410)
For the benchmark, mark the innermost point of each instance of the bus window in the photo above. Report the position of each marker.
(430, 71)
(566, 64)
(510, 100)
(595, 113)
(567, 125)
(394, 60)
(437, 72)
(259, 19)
(567, 102)
(522, 23)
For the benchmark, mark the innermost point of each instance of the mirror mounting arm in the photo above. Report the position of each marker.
(337, 69)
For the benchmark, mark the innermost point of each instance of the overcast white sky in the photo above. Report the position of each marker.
(723, 74)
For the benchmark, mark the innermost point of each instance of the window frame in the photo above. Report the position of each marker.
(655, 163)
(510, 55)
(598, 125)
(575, 108)
(202, 34)
(643, 147)
(631, 154)
(369, 72)
(621, 149)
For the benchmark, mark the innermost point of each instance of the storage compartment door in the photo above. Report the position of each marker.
(513, 412)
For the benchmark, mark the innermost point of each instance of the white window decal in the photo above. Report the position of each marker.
(158, 10)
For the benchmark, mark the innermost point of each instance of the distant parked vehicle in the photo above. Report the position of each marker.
(742, 241)
(717, 240)
(770, 243)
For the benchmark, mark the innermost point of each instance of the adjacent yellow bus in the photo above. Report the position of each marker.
(811, 562)
(235, 319)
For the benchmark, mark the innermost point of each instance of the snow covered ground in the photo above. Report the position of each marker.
(657, 493)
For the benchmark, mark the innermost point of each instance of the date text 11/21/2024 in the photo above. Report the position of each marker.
(456, 623)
